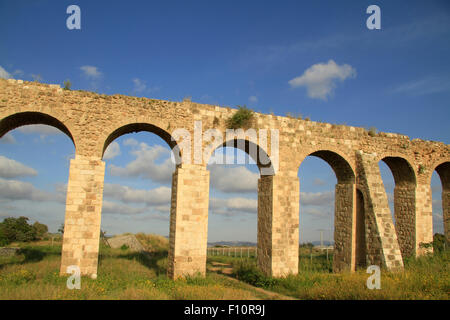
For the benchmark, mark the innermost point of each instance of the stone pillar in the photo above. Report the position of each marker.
(188, 221)
(360, 232)
(382, 245)
(444, 173)
(405, 218)
(278, 217)
(424, 219)
(446, 214)
(83, 215)
(344, 227)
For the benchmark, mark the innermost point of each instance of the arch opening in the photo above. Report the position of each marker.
(233, 203)
(342, 169)
(28, 118)
(251, 150)
(443, 170)
(403, 201)
(137, 193)
(138, 127)
(343, 208)
(402, 171)
(33, 183)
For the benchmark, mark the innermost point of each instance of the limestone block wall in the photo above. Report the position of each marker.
(92, 121)
(344, 228)
(83, 214)
(278, 201)
(188, 221)
(446, 213)
(265, 214)
(444, 173)
(405, 219)
(423, 218)
(383, 248)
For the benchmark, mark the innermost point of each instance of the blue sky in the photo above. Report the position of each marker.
(316, 59)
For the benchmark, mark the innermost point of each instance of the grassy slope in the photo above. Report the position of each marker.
(427, 277)
(123, 274)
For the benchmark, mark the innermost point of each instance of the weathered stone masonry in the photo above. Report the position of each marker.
(364, 229)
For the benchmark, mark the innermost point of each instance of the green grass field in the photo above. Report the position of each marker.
(124, 274)
(427, 277)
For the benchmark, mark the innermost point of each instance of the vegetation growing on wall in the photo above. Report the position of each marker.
(241, 118)
(67, 84)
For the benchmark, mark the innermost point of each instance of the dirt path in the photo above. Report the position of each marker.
(226, 270)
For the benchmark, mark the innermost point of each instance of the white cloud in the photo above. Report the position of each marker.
(145, 165)
(233, 206)
(7, 139)
(130, 142)
(139, 85)
(320, 79)
(40, 129)
(112, 151)
(10, 168)
(152, 197)
(4, 74)
(233, 179)
(145, 213)
(253, 99)
(91, 72)
(319, 182)
(317, 198)
(425, 86)
(317, 212)
(18, 190)
(119, 208)
(18, 72)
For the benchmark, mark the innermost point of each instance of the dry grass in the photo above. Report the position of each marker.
(153, 242)
(427, 277)
(122, 274)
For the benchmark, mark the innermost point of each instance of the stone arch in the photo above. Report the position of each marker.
(257, 153)
(23, 118)
(443, 170)
(339, 163)
(402, 170)
(343, 257)
(404, 201)
(19, 119)
(138, 127)
(265, 214)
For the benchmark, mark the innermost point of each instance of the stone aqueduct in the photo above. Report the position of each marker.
(364, 229)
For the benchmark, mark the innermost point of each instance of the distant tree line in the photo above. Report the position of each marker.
(19, 230)
(307, 245)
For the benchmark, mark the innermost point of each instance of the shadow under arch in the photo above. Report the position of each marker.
(360, 232)
(342, 169)
(138, 127)
(443, 171)
(20, 119)
(402, 170)
(344, 202)
(404, 202)
(257, 153)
